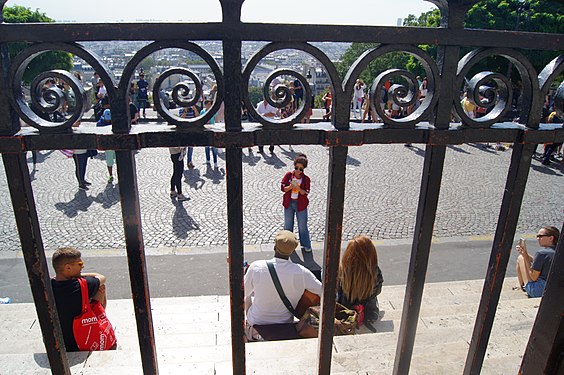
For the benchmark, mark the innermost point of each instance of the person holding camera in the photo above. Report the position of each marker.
(532, 271)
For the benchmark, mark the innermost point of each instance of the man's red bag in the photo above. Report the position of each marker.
(92, 329)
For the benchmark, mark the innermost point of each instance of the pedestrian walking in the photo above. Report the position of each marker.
(177, 158)
(207, 105)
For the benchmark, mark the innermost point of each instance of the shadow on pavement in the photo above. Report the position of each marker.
(418, 151)
(214, 174)
(274, 160)
(352, 161)
(555, 168)
(109, 197)
(458, 149)
(74, 358)
(193, 179)
(182, 223)
(80, 202)
(251, 158)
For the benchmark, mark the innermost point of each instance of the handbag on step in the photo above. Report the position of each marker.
(92, 329)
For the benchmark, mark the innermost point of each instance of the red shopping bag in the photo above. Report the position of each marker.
(92, 329)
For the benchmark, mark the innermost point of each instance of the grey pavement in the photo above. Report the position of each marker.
(382, 190)
(205, 272)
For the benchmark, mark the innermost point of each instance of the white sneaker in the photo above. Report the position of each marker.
(173, 193)
(182, 197)
(215, 165)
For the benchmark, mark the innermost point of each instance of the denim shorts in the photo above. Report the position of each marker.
(535, 288)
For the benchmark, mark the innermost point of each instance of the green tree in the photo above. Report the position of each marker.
(255, 95)
(545, 16)
(44, 62)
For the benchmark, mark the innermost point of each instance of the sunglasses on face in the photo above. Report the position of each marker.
(543, 235)
(299, 169)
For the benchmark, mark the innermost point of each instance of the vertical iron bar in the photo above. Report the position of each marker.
(420, 249)
(9, 121)
(501, 251)
(131, 212)
(234, 166)
(27, 221)
(332, 253)
(447, 60)
(232, 71)
(547, 336)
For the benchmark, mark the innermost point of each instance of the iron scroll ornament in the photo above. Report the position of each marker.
(498, 97)
(180, 89)
(401, 95)
(48, 100)
(282, 92)
(546, 78)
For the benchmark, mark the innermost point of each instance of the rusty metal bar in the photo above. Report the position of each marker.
(331, 253)
(234, 176)
(501, 251)
(426, 212)
(27, 222)
(76, 32)
(546, 343)
(28, 140)
(131, 212)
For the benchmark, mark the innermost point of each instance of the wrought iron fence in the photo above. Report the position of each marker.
(430, 124)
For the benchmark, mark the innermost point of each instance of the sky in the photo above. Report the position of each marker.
(341, 12)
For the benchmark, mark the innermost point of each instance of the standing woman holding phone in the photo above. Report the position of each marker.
(295, 186)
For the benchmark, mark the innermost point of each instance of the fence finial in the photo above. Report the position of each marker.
(453, 12)
(231, 10)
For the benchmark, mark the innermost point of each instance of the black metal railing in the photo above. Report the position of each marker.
(430, 124)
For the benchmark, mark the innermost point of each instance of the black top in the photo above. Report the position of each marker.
(69, 304)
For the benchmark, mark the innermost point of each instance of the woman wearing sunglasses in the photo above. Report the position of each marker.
(532, 271)
(295, 186)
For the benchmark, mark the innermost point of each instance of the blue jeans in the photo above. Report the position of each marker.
(535, 289)
(190, 153)
(302, 222)
(214, 153)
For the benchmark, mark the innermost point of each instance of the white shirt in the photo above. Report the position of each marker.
(264, 109)
(359, 91)
(267, 307)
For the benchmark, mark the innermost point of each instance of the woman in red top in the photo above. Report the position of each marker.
(295, 186)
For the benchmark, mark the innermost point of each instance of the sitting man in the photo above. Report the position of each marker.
(532, 272)
(68, 265)
(267, 307)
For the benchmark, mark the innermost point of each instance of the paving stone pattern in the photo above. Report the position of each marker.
(382, 191)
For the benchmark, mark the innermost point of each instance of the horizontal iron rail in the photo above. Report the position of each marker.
(163, 136)
(83, 32)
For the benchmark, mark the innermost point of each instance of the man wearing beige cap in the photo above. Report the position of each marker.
(263, 303)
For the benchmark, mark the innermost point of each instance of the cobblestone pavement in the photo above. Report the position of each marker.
(381, 197)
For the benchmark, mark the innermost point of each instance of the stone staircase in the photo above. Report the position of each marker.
(193, 337)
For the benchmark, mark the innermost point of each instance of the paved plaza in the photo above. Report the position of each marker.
(381, 198)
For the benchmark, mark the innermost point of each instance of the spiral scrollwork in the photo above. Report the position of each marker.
(182, 94)
(278, 94)
(493, 91)
(50, 91)
(401, 95)
(406, 95)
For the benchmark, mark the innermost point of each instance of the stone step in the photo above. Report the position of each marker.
(193, 336)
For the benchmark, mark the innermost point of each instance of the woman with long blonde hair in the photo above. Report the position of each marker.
(360, 278)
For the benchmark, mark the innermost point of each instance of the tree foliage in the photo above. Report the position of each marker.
(546, 16)
(44, 62)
